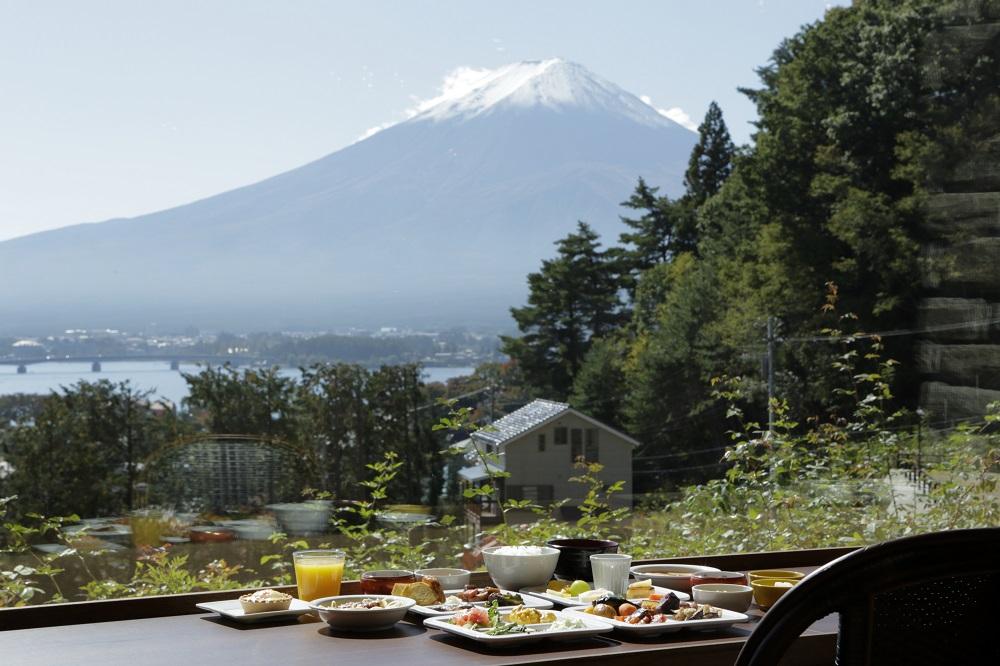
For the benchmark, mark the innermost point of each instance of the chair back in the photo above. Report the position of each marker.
(926, 599)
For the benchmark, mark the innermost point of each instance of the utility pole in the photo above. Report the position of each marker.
(770, 373)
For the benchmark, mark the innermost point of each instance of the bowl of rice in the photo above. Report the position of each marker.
(515, 567)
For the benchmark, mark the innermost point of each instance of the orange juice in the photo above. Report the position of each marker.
(318, 573)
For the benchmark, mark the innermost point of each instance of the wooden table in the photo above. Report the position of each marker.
(191, 639)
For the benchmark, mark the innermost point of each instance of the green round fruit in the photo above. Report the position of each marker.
(578, 587)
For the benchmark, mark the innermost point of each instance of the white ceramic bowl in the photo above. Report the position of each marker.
(450, 579)
(681, 582)
(514, 571)
(361, 619)
(724, 595)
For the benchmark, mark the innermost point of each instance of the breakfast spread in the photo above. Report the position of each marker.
(263, 601)
(495, 614)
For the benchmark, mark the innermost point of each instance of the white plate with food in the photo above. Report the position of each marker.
(637, 590)
(505, 628)
(231, 609)
(647, 622)
(461, 600)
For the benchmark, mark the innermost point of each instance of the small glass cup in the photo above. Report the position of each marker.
(611, 572)
(318, 573)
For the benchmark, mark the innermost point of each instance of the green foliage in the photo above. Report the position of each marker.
(711, 159)
(81, 450)
(250, 401)
(664, 229)
(599, 388)
(572, 299)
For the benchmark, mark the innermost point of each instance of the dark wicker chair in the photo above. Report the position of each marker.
(927, 599)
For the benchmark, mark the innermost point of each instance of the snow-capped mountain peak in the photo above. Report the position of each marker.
(554, 84)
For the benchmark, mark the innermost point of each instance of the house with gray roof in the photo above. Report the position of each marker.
(537, 446)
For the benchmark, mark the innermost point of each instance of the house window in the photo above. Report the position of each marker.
(592, 451)
(560, 435)
(541, 442)
(540, 493)
(576, 448)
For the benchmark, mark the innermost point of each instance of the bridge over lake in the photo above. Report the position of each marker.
(95, 361)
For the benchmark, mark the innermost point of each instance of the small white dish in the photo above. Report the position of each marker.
(663, 574)
(537, 632)
(232, 610)
(530, 601)
(724, 595)
(543, 592)
(449, 578)
(725, 619)
(361, 619)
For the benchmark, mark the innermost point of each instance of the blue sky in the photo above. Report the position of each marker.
(117, 108)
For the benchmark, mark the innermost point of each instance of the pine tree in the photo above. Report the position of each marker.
(572, 299)
(712, 158)
(664, 229)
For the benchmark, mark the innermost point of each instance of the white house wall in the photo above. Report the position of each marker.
(530, 467)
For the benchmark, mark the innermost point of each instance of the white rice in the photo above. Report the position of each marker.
(521, 550)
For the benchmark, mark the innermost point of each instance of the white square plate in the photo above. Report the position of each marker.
(428, 611)
(232, 610)
(543, 592)
(537, 631)
(728, 618)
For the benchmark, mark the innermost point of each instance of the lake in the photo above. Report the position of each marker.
(144, 375)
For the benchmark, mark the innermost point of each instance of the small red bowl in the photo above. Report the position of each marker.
(707, 577)
(382, 581)
(210, 534)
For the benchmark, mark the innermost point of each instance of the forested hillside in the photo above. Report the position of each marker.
(818, 224)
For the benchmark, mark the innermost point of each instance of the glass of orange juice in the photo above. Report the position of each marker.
(318, 573)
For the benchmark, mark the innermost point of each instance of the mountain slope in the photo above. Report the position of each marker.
(435, 220)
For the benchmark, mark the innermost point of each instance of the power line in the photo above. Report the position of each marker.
(684, 453)
(893, 333)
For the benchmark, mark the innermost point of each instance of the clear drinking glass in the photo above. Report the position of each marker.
(318, 573)
(611, 571)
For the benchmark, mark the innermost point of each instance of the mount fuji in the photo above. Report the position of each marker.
(433, 221)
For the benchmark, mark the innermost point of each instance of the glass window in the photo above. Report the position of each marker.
(560, 435)
(592, 450)
(541, 442)
(576, 439)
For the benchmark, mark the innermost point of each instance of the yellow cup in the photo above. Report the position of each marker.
(318, 573)
(766, 591)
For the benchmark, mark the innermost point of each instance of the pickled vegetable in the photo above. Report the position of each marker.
(668, 604)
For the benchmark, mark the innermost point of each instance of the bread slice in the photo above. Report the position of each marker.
(435, 586)
(422, 592)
